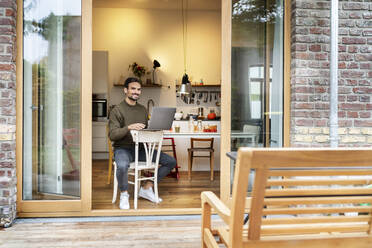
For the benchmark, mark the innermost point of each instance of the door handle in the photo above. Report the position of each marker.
(34, 107)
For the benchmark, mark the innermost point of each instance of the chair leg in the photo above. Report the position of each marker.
(190, 164)
(115, 185)
(109, 170)
(156, 190)
(212, 164)
(135, 188)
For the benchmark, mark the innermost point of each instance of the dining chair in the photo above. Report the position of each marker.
(201, 149)
(151, 141)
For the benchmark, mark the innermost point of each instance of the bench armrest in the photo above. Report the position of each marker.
(222, 210)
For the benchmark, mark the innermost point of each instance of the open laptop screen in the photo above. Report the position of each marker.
(161, 118)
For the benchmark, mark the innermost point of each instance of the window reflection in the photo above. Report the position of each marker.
(257, 73)
(52, 79)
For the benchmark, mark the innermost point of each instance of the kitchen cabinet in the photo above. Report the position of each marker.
(99, 140)
(100, 72)
(182, 140)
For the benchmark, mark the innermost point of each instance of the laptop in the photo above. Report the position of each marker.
(161, 118)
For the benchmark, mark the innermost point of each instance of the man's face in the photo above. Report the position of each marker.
(133, 91)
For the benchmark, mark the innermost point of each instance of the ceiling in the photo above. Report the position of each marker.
(158, 4)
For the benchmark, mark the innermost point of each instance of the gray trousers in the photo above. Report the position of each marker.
(124, 156)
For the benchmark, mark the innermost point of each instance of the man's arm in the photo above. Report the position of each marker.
(115, 131)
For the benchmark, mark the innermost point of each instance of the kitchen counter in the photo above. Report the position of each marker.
(168, 134)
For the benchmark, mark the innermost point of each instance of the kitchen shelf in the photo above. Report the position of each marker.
(144, 85)
(204, 85)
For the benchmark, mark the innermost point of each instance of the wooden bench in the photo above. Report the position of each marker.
(300, 198)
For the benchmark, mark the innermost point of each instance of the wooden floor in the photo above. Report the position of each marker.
(154, 233)
(180, 193)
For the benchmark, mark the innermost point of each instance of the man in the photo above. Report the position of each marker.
(130, 115)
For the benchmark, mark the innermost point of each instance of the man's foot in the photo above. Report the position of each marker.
(148, 194)
(124, 200)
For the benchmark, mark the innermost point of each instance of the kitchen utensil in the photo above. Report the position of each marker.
(206, 98)
(215, 96)
(200, 95)
(210, 97)
(198, 102)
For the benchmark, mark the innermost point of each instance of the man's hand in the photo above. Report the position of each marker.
(136, 126)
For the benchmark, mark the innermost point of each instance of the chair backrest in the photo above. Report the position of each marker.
(302, 192)
(151, 140)
(209, 142)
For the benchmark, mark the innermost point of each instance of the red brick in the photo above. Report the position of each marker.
(365, 114)
(352, 49)
(365, 65)
(304, 106)
(304, 122)
(353, 40)
(363, 123)
(352, 114)
(353, 65)
(352, 106)
(315, 48)
(352, 98)
(320, 123)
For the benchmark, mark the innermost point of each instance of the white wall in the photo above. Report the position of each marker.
(142, 35)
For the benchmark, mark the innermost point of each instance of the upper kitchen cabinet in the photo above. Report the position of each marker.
(100, 72)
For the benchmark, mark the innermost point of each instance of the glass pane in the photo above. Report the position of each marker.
(51, 100)
(257, 73)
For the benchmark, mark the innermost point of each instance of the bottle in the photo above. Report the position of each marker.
(191, 124)
(200, 126)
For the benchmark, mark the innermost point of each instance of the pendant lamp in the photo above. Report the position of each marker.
(186, 85)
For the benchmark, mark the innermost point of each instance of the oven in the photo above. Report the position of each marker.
(99, 109)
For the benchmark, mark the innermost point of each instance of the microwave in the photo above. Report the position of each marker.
(99, 109)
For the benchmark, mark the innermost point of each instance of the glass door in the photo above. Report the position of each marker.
(52, 105)
(257, 73)
(253, 78)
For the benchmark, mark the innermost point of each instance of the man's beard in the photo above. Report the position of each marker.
(132, 99)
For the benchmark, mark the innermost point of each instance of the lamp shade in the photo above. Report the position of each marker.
(156, 64)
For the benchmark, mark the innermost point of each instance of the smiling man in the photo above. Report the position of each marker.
(130, 115)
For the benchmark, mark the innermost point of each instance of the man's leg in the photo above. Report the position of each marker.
(122, 158)
(166, 163)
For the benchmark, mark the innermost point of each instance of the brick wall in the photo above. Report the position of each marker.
(8, 9)
(310, 73)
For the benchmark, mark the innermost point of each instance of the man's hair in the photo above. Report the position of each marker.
(131, 80)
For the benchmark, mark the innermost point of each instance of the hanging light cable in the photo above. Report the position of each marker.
(185, 86)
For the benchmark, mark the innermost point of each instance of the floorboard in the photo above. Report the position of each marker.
(181, 233)
(180, 193)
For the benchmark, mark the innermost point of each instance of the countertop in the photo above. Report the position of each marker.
(192, 134)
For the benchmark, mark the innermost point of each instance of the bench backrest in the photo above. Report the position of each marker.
(303, 192)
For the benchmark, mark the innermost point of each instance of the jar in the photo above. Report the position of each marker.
(200, 126)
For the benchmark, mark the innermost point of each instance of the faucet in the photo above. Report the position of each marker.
(148, 105)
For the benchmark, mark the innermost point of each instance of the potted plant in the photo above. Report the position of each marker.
(138, 70)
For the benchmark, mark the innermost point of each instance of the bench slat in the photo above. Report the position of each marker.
(311, 182)
(314, 228)
(312, 219)
(317, 192)
(317, 210)
(317, 200)
(320, 172)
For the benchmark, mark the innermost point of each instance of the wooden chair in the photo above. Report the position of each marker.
(300, 198)
(171, 148)
(204, 149)
(111, 155)
(151, 140)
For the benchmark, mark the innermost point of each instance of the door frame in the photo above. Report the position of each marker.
(59, 207)
(83, 207)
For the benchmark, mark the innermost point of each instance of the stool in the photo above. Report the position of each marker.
(201, 149)
(172, 148)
